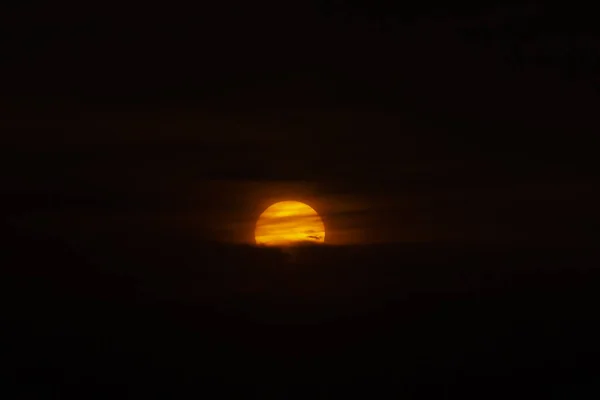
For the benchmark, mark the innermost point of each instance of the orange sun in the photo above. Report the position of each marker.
(289, 223)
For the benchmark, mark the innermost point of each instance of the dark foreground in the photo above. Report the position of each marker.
(184, 321)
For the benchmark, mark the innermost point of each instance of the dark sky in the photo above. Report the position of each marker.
(462, 123)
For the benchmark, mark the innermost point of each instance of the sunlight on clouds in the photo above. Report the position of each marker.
(288, 223)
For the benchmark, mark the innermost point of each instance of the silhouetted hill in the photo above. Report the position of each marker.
(118, 319)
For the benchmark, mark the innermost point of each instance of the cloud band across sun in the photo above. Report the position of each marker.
(289, 223)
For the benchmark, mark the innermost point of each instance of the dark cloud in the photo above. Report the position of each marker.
(397, 129)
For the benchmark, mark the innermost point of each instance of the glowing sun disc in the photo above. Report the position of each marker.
(289, 223)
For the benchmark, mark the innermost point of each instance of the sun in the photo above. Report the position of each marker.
(289, 223)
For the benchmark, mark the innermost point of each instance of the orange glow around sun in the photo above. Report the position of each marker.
(288, 223)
